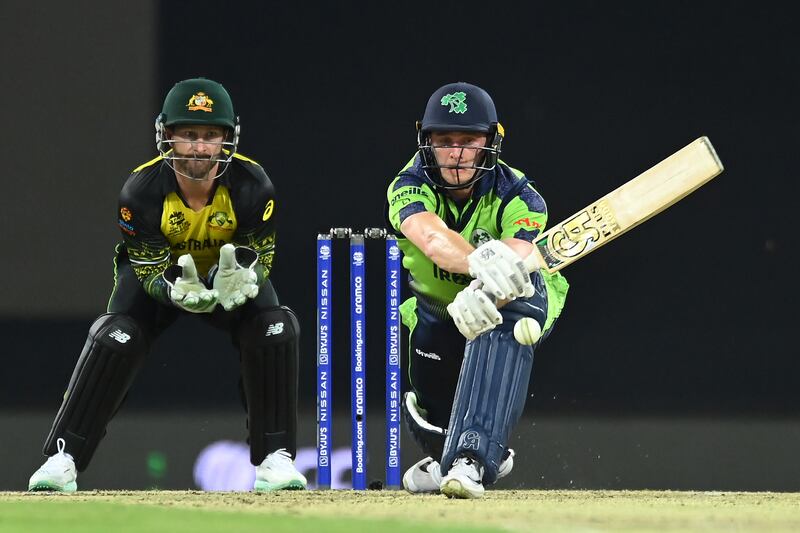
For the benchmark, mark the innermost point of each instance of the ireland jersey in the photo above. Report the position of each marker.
(503, 205)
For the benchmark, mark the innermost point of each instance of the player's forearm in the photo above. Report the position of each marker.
(262, 242)
(522, 248)
(153, 282)
(448, 250)
(445, 247)
(263, 267)
(149, 254)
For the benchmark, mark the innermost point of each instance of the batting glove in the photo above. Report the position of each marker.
(236, 282)
(188, 292)
(501, 270)
(473, 311)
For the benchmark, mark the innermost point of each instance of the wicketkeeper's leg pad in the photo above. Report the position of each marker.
(269, 348)
(110, 360)
(427, 436)
(489, 399)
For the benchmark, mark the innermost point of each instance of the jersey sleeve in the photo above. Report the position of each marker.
(147, 247)
(524, 216)
(408, 195)
(255, 209)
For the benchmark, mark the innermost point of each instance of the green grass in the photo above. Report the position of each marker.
(391, 511)
(50, 516)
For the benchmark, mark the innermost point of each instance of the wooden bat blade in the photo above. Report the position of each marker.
(627, 206)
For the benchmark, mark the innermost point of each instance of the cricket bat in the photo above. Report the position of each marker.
(623, 209)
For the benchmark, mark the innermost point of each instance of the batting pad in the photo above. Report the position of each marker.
(111, 358)
(489, 400)
(269, 347)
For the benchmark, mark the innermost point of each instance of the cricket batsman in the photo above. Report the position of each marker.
(466, 221)
(198, 236)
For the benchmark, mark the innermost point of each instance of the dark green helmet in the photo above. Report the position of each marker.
(203, 102)
(198, 101)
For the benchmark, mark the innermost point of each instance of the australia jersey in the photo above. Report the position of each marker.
(503, 205)
(158, 227)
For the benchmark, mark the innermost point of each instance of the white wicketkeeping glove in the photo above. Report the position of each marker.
(501, 270)
(473, 311)
(234, 282)
(188, 292)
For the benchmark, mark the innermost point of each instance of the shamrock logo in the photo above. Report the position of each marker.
(456, 101)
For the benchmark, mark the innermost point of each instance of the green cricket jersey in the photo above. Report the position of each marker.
(503, 205)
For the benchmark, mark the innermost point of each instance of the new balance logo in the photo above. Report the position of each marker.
(274, 329)
(119, 336)
(431, 355)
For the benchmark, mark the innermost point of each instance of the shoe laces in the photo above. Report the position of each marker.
(57, 460)
(470, 464)
(281, 456)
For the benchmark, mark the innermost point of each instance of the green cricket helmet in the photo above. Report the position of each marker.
(459, 107)
(203, 102)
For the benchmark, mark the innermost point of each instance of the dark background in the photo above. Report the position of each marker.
(689, 314)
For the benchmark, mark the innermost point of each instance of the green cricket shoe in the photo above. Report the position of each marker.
(57, 474)
(277, 472)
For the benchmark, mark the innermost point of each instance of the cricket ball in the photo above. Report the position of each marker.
(527, 331)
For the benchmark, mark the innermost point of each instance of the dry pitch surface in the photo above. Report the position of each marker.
(500, 510)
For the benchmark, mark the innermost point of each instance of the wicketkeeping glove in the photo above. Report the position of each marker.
(501, 270)
(188, 292)
(473, 312)
(234, 282)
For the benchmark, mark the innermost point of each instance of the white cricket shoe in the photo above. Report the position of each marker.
(505, 467)
(424, 477)
(57, 474)
(464, 480)
(277, 472)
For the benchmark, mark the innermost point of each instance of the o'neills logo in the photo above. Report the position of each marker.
(200, 102)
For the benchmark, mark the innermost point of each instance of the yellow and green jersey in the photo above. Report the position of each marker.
(158, 226)
(504, 204)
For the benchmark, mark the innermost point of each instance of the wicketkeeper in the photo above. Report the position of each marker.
(466, 221)
(198, 229)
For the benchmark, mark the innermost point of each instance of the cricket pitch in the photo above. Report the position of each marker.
(499, 510)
